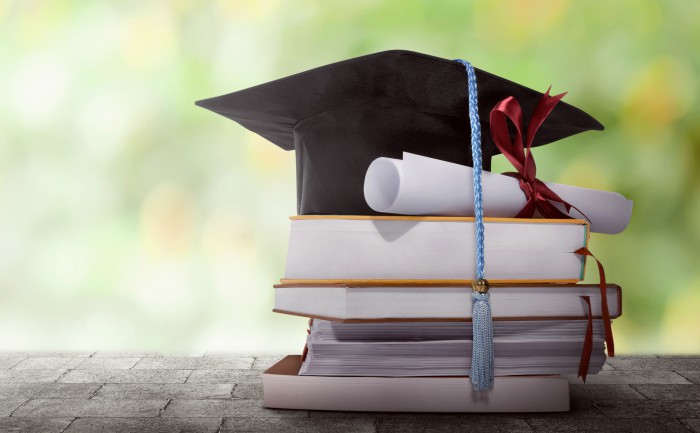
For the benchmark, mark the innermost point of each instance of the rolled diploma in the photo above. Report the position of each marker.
(418, 185)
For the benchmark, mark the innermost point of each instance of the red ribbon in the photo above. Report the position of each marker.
(587, 343)
(539, 196)
(605, 312)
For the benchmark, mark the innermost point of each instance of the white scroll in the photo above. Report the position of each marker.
(418, 185)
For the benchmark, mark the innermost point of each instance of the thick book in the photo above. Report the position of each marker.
(441, 302)
(363, 248)
(444, 348)
(283, 388)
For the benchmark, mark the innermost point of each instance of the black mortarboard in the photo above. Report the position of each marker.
(340, 117)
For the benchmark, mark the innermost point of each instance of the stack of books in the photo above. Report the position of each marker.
(389, 302)
(389, 298)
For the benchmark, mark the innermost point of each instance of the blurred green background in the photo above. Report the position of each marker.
(131, 219)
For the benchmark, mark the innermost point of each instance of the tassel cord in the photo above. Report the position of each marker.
(482, 368)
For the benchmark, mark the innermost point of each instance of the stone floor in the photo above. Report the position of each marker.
(149, 392)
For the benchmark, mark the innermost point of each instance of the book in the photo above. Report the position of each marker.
(446, 302)
(362, 248)
(283, 388)
(445, 348)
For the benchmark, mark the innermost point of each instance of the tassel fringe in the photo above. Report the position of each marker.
(482, 346)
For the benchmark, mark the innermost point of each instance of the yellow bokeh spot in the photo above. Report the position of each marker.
(662, 92)
(518, 21)
(681, 323)
(248, 9)
(225, 234)
(149, 38)
(586, 173)
(265, 157)
(167, 221)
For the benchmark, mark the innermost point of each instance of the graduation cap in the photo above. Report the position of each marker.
(340, 117)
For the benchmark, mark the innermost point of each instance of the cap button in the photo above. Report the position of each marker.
(480, 286)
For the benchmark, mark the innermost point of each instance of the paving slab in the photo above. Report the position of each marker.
(107, 363)
(649, 408)
(439, 423)
(604, 392)
(230, 408)
(9, 405)
(184, 391)
(296, 425)
(669, 392)
(49, 363)
(580, 409)
(607, 425)
(693, 376)
(687, 355)
(227, 354)
(145, 425)
(249, 391)
(355, 415)
(632, 378)
(7, 362)
(145, 354)
(34, 425)
(196, 363)
(30, 376)
(636, 363)
(126, 376)
(96, 407)
(692, 424)
(47, 390)
(225, 376)
(51, 354)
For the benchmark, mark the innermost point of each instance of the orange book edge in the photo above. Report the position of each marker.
(402, 283)
(432, 319)
(438, 218)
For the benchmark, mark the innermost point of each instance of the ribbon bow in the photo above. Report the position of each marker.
(539, 196)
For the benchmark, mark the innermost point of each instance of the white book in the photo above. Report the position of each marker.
(283, 388)
(345, 302)
(346, 248)
(444, 348)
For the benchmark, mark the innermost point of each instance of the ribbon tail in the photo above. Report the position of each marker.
(528, 210)
(548, 210)
(609, 342)
(550, 197)
(579, 211)
(587, 349)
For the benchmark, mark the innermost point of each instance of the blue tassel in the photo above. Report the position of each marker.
(482, 342)
(482, 325)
